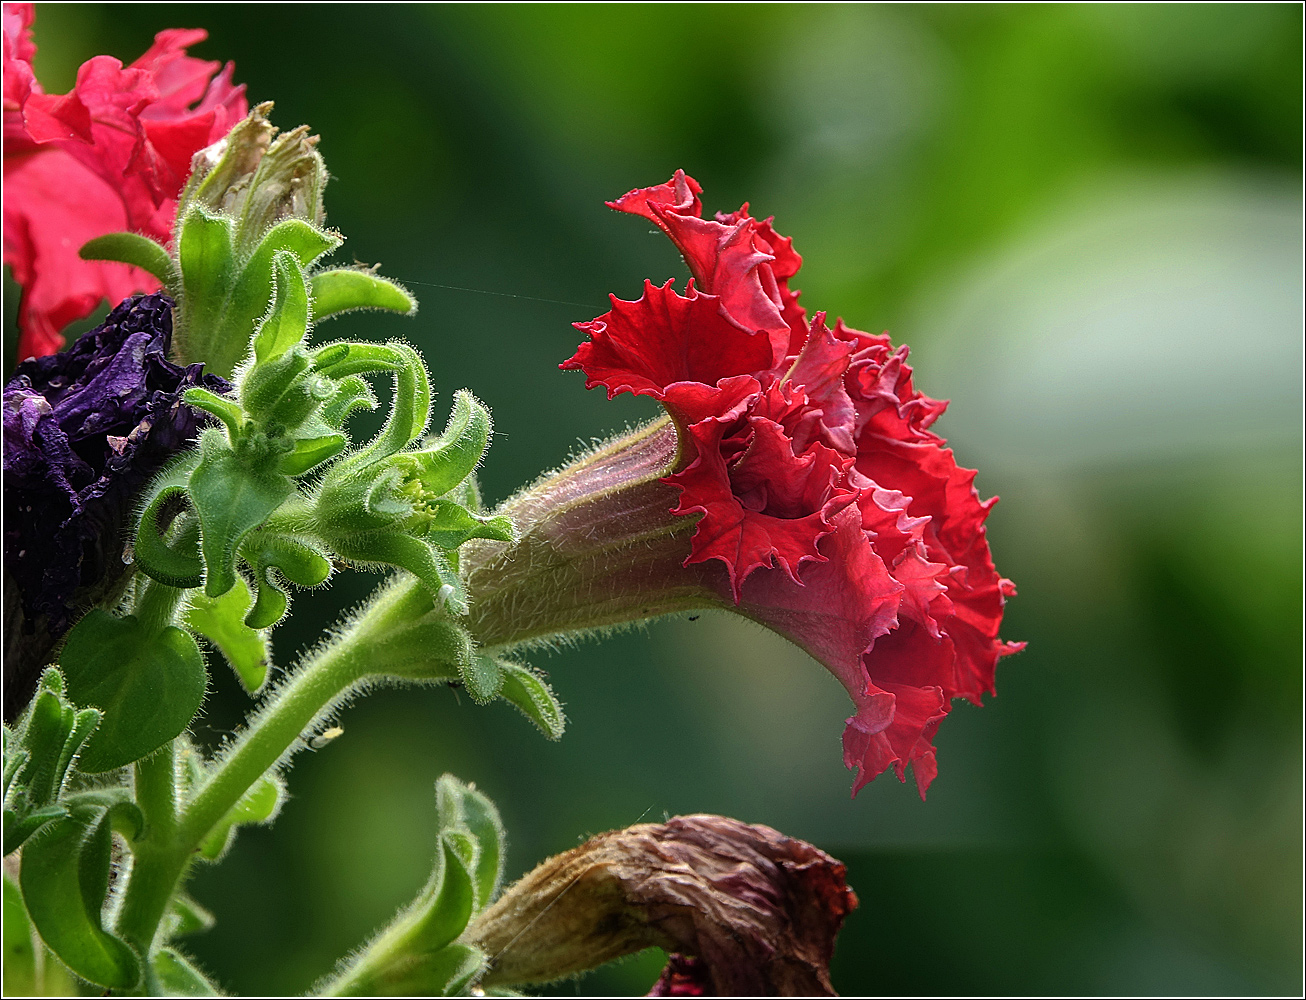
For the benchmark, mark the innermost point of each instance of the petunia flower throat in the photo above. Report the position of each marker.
(797, 482)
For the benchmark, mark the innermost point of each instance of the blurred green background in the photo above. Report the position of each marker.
(1085, 221)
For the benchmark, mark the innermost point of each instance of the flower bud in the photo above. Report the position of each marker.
(759, 910)
(258, 177)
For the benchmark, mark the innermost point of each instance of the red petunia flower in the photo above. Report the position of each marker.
(805, 452)
(110, 155)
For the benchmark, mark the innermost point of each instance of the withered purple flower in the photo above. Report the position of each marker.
(744, 910)
(84, 430)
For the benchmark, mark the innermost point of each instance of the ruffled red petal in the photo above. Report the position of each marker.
(132, 130)
(841, 519)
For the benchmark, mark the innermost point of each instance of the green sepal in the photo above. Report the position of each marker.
(64, 878)
(185, 917)
(286, 323)
(532, 696)
(341, 290)
(232, 498)
(459, 804)
(481, 676)
(448, 972)
(134, 249)
(207, 261)
(176, 564)
(352, 395)
(310, 453)
(446, 461)
(226, 410)
(258, 805)
(85, 722)
(263, 388)
(178, 977)
(293, 560)
(450, 897)
(395, 549)
(452, 524)
(43, 735)
(15, 758)
(221, 620)
(149, 685)
(431, 649)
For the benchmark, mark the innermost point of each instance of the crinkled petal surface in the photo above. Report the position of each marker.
(110, 155)
(84, 431)
(843, 522)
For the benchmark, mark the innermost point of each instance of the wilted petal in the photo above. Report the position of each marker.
(84, 431)
(758, 910)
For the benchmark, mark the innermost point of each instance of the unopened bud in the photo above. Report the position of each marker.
(744, 909)
(258, 177)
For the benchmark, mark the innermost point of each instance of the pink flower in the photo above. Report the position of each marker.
(110, 155)
(839, 517)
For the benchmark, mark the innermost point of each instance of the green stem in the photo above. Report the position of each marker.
(324, 677)
(156, 603)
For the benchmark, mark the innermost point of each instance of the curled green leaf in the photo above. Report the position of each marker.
(134, 249)
(343, 289)
(64, 878)
(176, 563)
(221, 620)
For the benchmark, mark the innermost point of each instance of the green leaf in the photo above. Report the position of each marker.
(341, 290)
(84, 723)
(207, 262)
(64, 878)
(293, 560)
(179, 977)
(232, 499)
(20, 971)
(185, 917)
(287, 322)
(527, 690)
(149, 685)
(177, 564)
(310, 453)
(226, 410)
(221, 620)
(263, 387)
(249, 295)
(446, 461)
(257, 805)
(410, 408)
(138, 251)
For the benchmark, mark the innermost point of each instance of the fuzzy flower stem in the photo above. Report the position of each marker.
(597, 548)
(162, 855)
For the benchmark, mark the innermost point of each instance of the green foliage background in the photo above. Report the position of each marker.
(1085, 221)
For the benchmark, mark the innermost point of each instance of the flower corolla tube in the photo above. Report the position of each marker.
(822, 503)
(110, 155)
